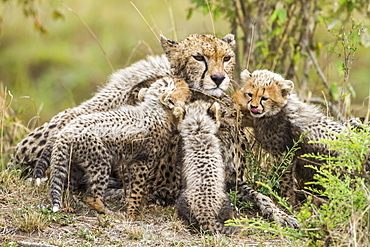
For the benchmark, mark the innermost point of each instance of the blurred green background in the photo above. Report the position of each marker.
(51, 71)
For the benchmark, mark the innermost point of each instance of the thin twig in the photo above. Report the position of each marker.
(318, 69)
(250, 46)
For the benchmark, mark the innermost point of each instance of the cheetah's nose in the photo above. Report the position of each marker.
(218, 78)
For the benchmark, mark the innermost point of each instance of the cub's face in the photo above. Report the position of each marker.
(206, 63)
(263, 93)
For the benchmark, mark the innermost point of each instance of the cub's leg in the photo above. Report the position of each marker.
(138, 170)
(97, 165)
(288, 185)
(98, 183)
(266, 206)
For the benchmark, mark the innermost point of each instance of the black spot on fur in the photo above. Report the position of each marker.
(37, 136)
(52, 126)
(41, 143)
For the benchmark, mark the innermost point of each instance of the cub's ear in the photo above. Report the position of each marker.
(286, 87)
(229, 38)
(167, 44)
(245, 75)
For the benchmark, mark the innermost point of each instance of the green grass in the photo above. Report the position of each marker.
(345, 219)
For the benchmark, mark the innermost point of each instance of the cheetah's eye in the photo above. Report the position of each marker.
(227, 58)
(264, 98)
(198, 58)
(250, 95)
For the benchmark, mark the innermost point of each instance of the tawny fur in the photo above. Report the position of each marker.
(280, 118)
(212, 84)
(134, 135)
(203, 201)
(121, 89)
(206, 64)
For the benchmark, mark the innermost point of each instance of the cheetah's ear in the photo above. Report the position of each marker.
(286, 87)
(167, 44)
(245, 75)
(229, 38)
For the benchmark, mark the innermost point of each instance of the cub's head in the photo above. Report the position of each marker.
(263, 93)
(200, 118)
(206, 63)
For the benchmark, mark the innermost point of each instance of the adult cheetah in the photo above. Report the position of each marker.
(206, 64)
(211, 79)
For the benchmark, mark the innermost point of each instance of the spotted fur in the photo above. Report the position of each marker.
(280, 118)
(203, 201)
(211, 73)
(232, 144)
(121, 89)
(163, 188)
(132, 135)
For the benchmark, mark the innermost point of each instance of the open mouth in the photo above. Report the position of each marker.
(255, 111)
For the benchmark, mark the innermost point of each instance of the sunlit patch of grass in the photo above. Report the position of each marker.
(215, 241)
(134, 232)
(29, 220)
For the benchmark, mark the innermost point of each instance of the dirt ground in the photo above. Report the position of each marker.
(26, 220)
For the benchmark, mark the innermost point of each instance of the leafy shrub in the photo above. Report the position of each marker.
(345, 218)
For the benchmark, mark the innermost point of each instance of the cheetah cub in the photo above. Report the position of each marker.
(133, 135)
(203, 201)
(280, 118)
(122, 89)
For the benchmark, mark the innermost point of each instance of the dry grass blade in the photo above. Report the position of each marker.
(172, 21)
(368, 109)
(211, 17)
(92, 34)
(151, 29)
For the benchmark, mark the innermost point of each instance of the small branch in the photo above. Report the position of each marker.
(250, 46)
(318, 69)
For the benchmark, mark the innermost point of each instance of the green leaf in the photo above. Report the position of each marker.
(190, 13)
(334, 90)
(350, 6)
(216, 13)
(274, 15)
(57, 15)
(282, 15)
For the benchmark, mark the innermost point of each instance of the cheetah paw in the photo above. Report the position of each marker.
(178, 112)
(287, 220)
